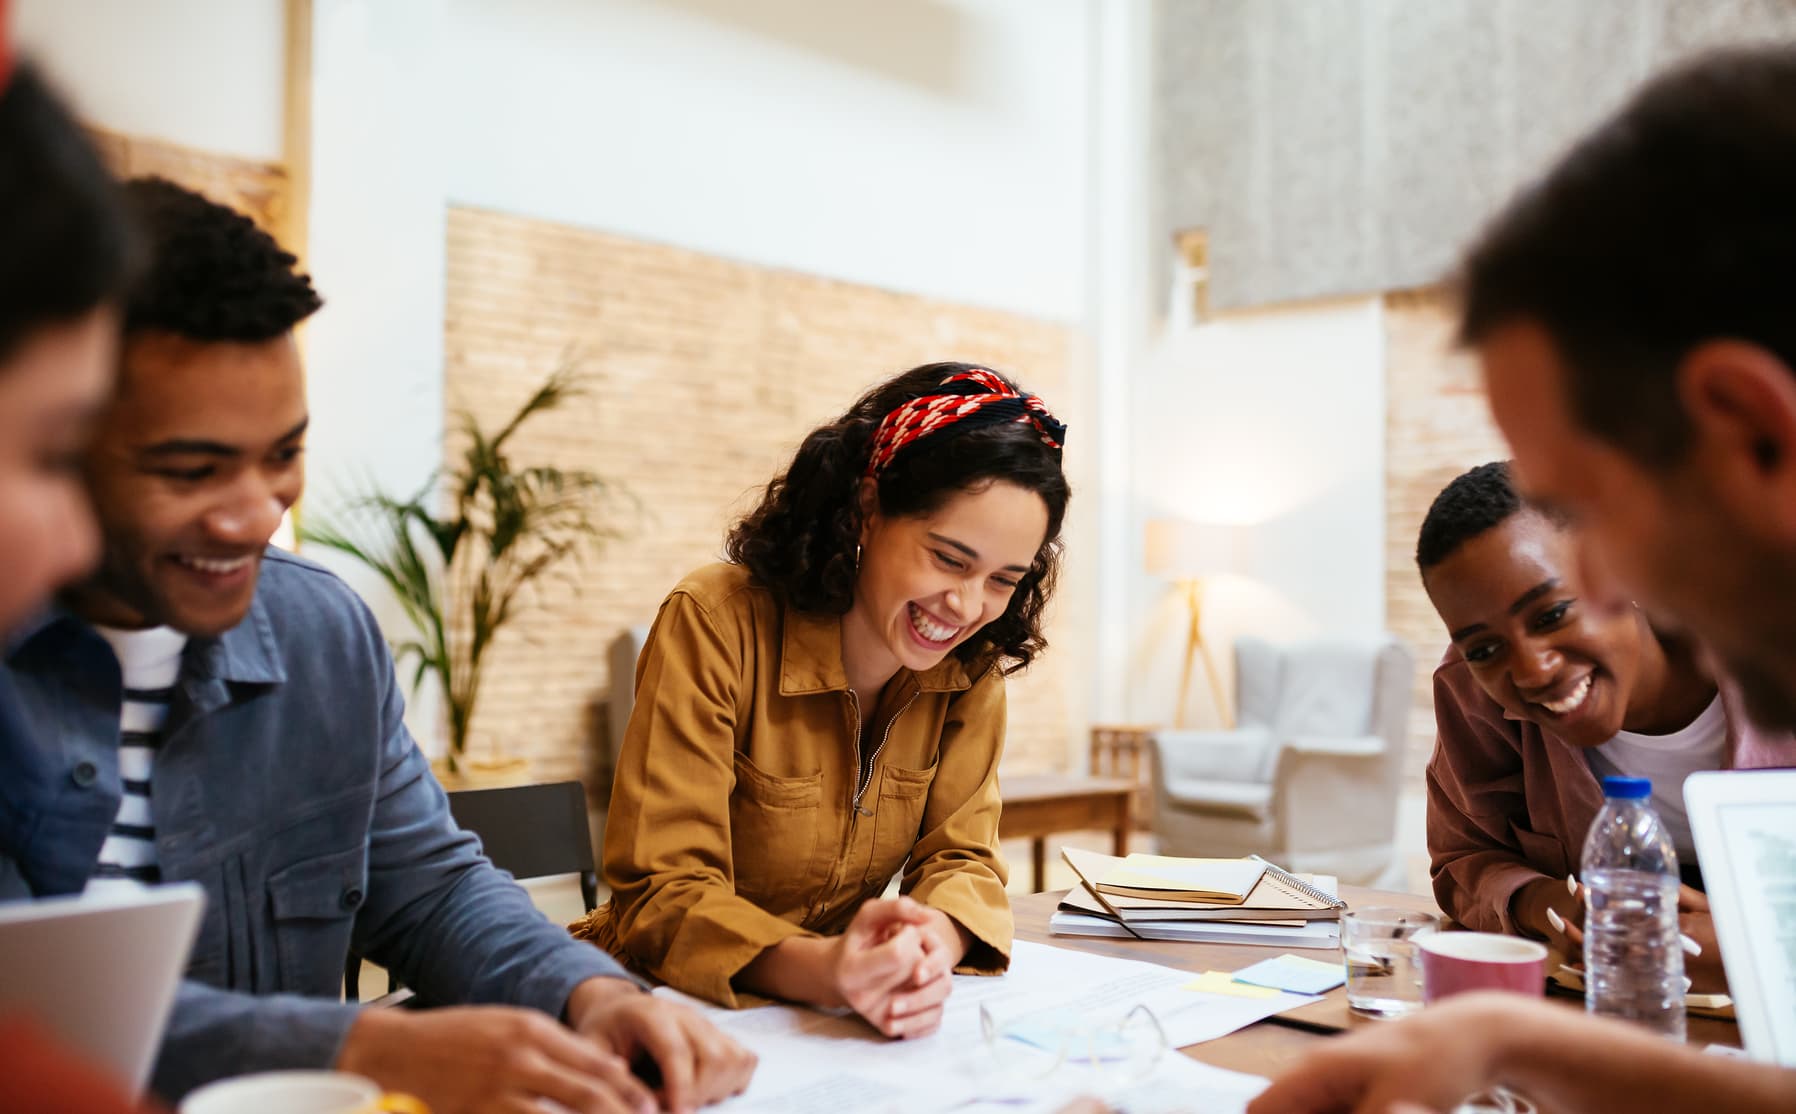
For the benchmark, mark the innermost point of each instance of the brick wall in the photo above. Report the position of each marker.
(262, 191)
(705, 373)
(1436, 426)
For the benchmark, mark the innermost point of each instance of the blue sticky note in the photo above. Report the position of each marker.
(1293, 973)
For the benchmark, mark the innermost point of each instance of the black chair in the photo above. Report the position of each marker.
(530, 830)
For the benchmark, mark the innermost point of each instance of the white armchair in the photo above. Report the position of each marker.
(620, 696)
(1310, 777)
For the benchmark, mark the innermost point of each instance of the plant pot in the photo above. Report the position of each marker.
(485, 772)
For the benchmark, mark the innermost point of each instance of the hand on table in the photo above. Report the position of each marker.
(1555, 911)
(894, 965)
(476, 1059)
(1696, 922)
(1428, 1062)
(696, 1063)
(1548, 909)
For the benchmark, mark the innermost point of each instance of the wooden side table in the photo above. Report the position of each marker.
(1038, 806)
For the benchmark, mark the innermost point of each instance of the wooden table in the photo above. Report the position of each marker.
(1270, 1046)
(1038, 806)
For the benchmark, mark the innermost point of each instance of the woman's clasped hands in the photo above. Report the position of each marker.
(894, 965)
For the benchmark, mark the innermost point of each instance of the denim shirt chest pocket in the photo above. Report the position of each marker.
(285, 932)
(313, 905)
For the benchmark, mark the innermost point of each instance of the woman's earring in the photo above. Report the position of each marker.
(857, 556)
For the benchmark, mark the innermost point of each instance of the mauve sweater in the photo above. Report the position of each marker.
(1509, 802)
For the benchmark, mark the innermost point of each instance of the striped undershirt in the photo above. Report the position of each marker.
(151, 662)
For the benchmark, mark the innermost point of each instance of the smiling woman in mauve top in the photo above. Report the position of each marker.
(1545, 690)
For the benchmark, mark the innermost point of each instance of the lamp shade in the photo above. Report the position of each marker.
(1180, 549)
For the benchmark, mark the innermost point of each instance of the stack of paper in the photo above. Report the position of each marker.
(1277, 909)
(814, 1062)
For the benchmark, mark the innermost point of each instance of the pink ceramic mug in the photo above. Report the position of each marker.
(1461, 962)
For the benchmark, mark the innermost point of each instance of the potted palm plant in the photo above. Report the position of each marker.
(462, 554)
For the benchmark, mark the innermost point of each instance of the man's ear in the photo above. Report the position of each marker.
(1741, 403)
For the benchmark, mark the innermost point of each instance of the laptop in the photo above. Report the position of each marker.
(1744, 822)
(100, 971)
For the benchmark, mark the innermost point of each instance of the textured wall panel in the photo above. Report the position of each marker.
(1356, 145)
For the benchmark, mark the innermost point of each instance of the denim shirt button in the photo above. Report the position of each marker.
(84, 774)
(351, 898)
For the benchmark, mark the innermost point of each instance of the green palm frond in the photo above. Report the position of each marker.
(462, 576)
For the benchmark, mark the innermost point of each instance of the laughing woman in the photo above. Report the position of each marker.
(1545, 689)
(827, 708)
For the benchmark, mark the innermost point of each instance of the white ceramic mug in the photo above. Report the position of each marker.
(298, 1092)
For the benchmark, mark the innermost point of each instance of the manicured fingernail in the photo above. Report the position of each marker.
(1571, 884)
(1687, 984)
(1691, 947)
(1554, 919)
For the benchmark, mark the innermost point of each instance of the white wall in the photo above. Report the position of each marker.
(1273, 419)
(375, 352)
(933, 146)
(939, 148)
(984, 151)
(208, 74)
(1121, 313)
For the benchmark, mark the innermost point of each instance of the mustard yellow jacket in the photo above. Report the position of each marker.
(741, 813)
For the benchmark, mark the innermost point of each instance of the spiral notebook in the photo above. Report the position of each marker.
(1279, 896)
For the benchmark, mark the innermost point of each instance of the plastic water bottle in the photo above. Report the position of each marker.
(1633, 961)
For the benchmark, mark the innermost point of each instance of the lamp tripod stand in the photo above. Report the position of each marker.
(1194, 648)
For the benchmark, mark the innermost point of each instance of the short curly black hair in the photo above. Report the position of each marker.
(213, 275)
(801, 541)
(1479, 500)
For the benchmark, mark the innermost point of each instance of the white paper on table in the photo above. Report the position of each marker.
(1099, 984)
(1178, 1085)
(811, 1060)
(1181, 1085)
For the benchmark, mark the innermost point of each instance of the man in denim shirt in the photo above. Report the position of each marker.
(272, 763)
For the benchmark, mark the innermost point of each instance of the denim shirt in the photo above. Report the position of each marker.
(287, 786)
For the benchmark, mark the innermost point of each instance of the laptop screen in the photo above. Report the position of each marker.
(1745, 828)
(100, 971)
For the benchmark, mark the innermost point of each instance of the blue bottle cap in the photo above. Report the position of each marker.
(1628, 788)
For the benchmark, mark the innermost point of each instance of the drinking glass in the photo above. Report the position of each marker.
(1378, 947)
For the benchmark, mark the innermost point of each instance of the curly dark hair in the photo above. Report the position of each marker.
(213, 275)
(1477, 500)
(68, 245)
(800, 542)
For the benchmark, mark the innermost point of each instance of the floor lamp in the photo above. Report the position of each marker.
(1188, 553)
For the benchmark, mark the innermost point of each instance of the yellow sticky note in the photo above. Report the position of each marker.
(1222, 982)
